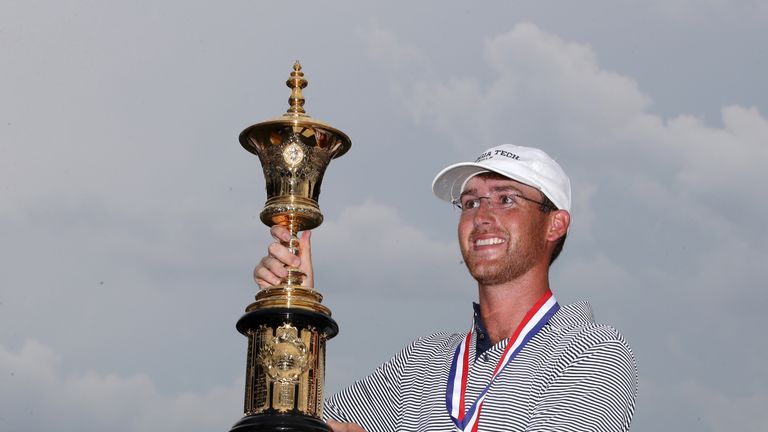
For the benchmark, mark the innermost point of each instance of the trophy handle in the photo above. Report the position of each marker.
(295, 275)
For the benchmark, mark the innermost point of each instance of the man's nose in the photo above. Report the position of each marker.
(484, 213)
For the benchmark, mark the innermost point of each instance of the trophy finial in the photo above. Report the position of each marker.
(296, 82)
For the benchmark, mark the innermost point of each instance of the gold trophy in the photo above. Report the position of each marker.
(287, 326)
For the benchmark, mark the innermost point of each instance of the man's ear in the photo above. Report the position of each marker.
(560, 220)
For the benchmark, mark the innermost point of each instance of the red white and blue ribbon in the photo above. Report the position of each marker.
(455, 394)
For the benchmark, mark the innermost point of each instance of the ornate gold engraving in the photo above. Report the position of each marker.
(286, 396)
(293, 154)
(285, 356)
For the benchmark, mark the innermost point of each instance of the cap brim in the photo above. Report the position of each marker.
(449, 182)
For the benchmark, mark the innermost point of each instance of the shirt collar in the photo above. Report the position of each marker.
(482, 340)
(578, 313)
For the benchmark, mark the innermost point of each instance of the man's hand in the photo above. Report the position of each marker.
(272, 268)
(344, 427)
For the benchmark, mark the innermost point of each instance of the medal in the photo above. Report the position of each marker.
(455, 394)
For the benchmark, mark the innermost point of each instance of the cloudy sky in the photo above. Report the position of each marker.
(129, 212)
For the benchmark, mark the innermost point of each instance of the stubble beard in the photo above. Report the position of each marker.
(518, 259)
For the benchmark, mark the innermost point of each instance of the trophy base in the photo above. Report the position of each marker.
(280, 423)
(285, 369)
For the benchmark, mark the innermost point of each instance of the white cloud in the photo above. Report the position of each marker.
(385, 47)
(548, 92)
(727, 160)
(538, 81)
(368, 239)
(37, 395)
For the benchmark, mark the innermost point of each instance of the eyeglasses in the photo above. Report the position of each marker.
(501, 201)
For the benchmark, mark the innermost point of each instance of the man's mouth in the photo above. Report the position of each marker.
(489, 241)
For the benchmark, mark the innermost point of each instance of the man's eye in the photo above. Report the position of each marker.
(506, 200)
(470, 204)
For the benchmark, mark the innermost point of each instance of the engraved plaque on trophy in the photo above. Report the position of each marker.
(287, 326)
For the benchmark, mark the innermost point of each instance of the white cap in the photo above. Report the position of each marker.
(527, 165)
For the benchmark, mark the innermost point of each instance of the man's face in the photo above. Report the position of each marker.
(501, 244)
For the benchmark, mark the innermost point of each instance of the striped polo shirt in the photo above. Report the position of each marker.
(574, 375)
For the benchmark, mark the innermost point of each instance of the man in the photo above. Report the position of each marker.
(527, 364)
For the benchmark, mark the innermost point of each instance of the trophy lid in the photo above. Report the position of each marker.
(251, 137)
